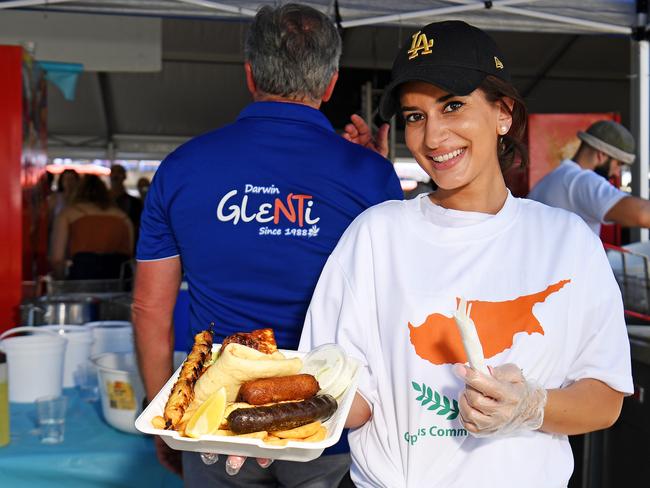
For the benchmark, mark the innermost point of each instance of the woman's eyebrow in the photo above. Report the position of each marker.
(442, 99)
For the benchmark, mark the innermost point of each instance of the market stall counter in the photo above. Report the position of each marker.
(92, 453)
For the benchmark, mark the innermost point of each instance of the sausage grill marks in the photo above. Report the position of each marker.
(282, 416)
(278, 389)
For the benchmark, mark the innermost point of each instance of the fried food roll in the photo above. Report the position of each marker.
(278, 389)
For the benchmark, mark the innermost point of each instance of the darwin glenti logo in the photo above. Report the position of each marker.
(275, 214)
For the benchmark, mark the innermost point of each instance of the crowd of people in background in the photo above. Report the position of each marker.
(93, 226)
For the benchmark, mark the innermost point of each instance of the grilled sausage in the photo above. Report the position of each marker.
(278, 389)
(282, 416)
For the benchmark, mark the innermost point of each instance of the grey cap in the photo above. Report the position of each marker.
(611, 138)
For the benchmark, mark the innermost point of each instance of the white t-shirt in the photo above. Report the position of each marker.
(536, 277)
(580, 191)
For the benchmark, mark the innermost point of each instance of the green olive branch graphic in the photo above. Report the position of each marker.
(429, 396)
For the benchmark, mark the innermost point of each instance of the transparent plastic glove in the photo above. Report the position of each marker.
(234, 464)
(209, 458)
(500, 404)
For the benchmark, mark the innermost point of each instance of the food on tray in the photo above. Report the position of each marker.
(469, 336)
(158, 422)
(238, 364)
(301, 432)
(208, 417)
(282, 416)
(183, 391)
(252, 390)
(329, 365)
(278, 389)
(262, 340)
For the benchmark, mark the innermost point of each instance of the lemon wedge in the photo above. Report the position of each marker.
(208, 417)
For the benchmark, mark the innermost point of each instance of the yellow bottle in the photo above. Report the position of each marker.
(4, 402)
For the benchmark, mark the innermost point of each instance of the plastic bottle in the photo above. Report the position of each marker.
(4, 401)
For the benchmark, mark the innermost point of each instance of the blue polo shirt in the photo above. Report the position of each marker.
(254, 209)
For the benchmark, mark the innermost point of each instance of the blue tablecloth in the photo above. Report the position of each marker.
(92, 454)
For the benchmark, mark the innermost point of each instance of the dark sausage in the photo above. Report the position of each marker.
(282, 416)
(278, 389)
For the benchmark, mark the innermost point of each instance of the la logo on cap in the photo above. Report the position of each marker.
(498, 63)
(420, 45)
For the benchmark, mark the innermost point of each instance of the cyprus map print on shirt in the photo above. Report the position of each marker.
(438, 340)
(279, 215)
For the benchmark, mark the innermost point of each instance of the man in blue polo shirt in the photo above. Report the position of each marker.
(249, 214)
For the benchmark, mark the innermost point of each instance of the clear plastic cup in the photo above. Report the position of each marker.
(85, 378)
(51, 418)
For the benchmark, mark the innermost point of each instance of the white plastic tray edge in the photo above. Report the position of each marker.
(241, 446)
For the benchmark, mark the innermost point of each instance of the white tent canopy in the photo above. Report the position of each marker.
(575, 16)
(622, 17)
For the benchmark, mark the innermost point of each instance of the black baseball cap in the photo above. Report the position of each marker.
(452, 55)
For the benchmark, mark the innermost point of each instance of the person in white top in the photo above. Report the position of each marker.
(581, 184)
(546, 306)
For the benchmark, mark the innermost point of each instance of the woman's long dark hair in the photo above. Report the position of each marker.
(511, 147)
(91, 189)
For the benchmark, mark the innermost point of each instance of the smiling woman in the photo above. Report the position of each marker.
(548, 317)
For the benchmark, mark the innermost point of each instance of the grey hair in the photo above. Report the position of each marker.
(293, 51)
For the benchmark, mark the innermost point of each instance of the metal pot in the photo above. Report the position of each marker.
(59, 310)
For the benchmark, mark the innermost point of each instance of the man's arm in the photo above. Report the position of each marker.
(154, 297)
(630, 212)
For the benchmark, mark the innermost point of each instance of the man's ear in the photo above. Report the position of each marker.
(250, 81)
(330, 87)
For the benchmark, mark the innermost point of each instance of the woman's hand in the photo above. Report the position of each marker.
(499, 404)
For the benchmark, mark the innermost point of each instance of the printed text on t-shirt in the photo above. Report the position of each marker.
(294, 211)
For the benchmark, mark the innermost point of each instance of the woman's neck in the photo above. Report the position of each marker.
(474, 197)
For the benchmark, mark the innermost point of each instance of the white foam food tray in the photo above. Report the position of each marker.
(242, 446)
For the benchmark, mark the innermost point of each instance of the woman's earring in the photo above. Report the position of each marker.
(504, 130)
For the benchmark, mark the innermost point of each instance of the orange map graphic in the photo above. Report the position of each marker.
(438, 340)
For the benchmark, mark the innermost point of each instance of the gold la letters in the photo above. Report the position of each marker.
(420, 45)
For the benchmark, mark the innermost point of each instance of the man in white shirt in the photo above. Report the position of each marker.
(578, 185)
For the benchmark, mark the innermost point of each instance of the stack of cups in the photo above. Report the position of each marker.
(35, 363)
(77, 353)
(111, 336)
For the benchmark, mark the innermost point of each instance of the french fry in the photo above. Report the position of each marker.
(224, 432)
(318, 436)
(158, 422)
(275, 441)
(261, 434)
(301, 432)
(234, 406)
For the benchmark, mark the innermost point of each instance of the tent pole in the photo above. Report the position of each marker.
(600, 26)
(220, 6)
(641, 124)
(29, 3)
(385, 19)
(640, 108)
